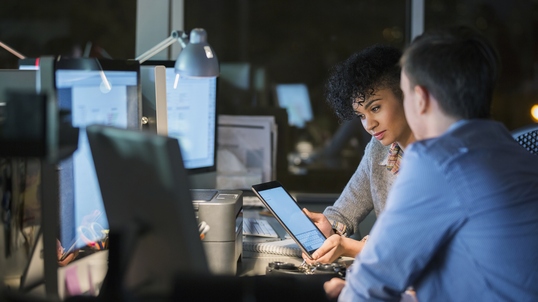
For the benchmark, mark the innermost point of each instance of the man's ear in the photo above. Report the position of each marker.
(422, 96)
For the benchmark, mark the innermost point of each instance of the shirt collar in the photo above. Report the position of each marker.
(456, 125)
(386, 159)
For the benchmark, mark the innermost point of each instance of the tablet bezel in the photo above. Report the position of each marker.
(276, 184)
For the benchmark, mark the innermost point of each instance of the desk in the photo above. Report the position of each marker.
(255, 263)
(88, 274)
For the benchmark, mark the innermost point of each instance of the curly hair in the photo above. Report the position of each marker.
(358, 77)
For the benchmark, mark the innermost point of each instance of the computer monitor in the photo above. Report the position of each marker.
(145, 186)
(94, 91)
(19, 80)
(295, 98)
(191, 115)
(22, 119)
(29, 64)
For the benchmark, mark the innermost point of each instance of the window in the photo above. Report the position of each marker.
(296, 42)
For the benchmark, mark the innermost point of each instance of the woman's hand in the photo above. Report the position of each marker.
(321, 222)
(333, 288)
(334, 247)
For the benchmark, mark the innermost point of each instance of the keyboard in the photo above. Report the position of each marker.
(258, 227)
(311, 239)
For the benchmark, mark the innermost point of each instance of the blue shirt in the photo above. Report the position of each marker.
(460, 223)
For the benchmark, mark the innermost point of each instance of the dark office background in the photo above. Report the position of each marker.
(288, 41)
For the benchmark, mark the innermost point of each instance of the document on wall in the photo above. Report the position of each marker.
(246, 151)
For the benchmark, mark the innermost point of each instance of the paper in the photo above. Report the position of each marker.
(246, 151)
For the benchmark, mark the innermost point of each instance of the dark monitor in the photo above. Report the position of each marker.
(19, 80)
(145, 186)
(91, 91)
(295, 98)
(22, 115)
(191, 116)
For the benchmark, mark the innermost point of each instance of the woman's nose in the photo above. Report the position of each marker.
(370, 123)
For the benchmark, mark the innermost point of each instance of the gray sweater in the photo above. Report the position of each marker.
(366, 190)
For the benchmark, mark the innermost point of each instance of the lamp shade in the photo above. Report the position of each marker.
(197, 59)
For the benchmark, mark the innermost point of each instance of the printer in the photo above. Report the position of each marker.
(223, 243)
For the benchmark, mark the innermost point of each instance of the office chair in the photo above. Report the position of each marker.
(527, 137)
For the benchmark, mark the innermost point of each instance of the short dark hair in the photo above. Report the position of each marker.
(358, 77)
(458, 66)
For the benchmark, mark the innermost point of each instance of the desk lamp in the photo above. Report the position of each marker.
(197, 59)
(11, 50)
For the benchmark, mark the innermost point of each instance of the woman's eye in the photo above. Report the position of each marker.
(375, 109)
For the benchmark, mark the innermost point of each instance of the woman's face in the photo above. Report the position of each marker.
(382, 115)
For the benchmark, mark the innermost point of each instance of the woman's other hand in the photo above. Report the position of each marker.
(321, 222)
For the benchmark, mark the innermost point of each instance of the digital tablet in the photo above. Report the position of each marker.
(291, 217)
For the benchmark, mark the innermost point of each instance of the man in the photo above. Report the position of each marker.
(461, 221)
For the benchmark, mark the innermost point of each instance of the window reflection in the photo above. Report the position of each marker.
(511, 27)
(264, 44)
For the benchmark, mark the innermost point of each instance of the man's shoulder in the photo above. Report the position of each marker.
(470, 138)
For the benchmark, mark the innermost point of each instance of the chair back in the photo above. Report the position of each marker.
(527, 137)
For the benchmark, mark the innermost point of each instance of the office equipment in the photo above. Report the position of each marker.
(247, 151)
(197, 59)
(11, 50)
(149, 207)
(29, 64)
(236, 74)
(527, 137)
(326, 271)
(44, 84)
(91, 91)
(154, 113)
(191, 111)
(223, 243)
(12, 79)
(188, 114)
(295, 98)
(286, 210)
(23, 115)
(286, 247)
(258, 227)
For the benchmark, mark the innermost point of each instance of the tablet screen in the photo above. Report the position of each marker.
(295, 220)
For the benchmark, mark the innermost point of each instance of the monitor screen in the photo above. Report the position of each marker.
(295, 98)
(191, 112)
(109, 96)
(191, 105)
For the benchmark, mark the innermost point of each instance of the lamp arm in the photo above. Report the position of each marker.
(176, 35)
(11, 50)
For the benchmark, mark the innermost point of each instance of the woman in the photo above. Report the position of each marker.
(367, 86)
